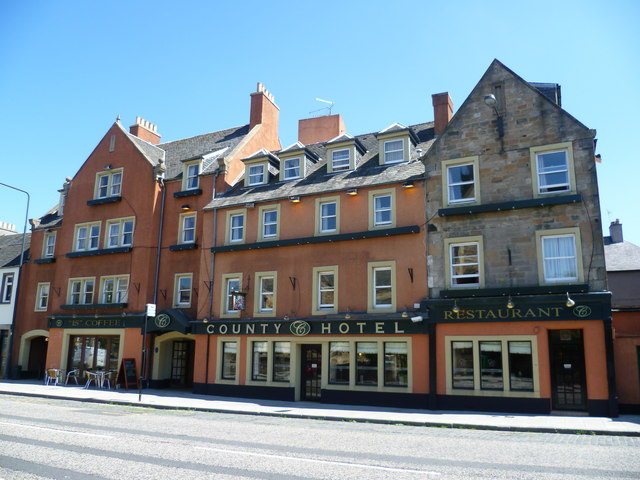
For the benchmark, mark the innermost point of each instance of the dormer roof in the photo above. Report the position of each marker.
(345, 138)
(396, 128)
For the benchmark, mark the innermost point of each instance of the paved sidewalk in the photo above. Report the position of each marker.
(627, 425)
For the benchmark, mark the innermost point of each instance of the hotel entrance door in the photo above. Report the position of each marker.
(311, 372)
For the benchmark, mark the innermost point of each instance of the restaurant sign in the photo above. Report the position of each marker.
(302, 328)
(544, 312)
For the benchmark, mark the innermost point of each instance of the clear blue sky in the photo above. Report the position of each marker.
(69, 68)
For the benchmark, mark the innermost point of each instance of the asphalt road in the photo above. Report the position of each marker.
(43, 438)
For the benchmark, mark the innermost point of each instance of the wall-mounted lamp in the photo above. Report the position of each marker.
(285, 318)
(294, 198)
(405, 314)
(249, 205)
(205, 320)
(455, 308)
(352, 191)
(107, 167)
(408, 184)
(510, 303)
(570, 303)
(491, 102)
(347, 316)
(185, 208)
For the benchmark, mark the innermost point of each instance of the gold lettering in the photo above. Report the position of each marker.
(250, 328)
(361, 325)
(447, 315)
(235, 328)
(557, 310)
(515, 313)
(490, 314)
(326, 328)
(503, 313)
(544, 312)
(397, 329)
(343, 327)
(222, 329)
(530, 313)
(379, 327)
(469, 315)
(480, 314)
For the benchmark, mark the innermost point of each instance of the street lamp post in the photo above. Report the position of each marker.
(9, 373)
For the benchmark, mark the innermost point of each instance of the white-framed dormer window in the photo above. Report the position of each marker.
(187, 228)
(191, 176)
(393, 151)
(87, 237)
(291, 168)
(340, 159)
(49, 245)
(119, 233)
(257, 174)
(108, 184)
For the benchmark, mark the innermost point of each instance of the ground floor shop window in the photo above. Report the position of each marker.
(260, 358)
(376, 363)
(93, 352)
(229, 360)
(281, 361)
(503, 364)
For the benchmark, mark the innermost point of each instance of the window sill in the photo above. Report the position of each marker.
(45, 260)
(514, 205)
(103, 251)
(102, 201)
(93, 306)
(386, 232)
(183, 246)
(188, 193)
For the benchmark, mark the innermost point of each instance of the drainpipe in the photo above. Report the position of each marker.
(144, 374)
(213, 266)
(611, 370)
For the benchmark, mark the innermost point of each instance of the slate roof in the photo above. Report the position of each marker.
(48, 220)
(622, 256)
(192, 148)
(367, 173)
(10, 247)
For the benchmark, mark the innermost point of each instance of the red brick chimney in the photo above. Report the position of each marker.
(320, 129)
(442, 111)
(146, 131)
(263, 108)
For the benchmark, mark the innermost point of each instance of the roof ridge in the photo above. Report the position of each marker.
(205, 134)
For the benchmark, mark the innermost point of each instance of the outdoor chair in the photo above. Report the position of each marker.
(72, 374)
(51, 376)
(90, 377)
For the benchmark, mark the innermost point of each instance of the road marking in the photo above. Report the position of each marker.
(56, 430)
(326, 462)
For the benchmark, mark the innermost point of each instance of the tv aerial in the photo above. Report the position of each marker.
(324, 108)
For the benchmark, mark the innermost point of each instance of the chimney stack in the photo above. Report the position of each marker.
(146, 131)
(615, 231)
(442, 111)
(265, 112)
(320, 129)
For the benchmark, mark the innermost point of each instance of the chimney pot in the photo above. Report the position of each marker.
(145, 130)
(615, 231)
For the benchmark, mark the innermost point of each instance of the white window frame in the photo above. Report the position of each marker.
(449, 245)
(8, 284)
(231, 229)
(452, 266)
(236, 229)
(543, 274)
(323, 215)
(258, 309)
(373, 196)
(447, 184)
(227, 295)
(252, 176)
(264, 225)
(110, 182)
(86, 237)
(374, 286)
(49, 245)
(119, 289)
(187, 233)
(119, 233)
(84, 292)
(386, 152)
(382, 210)
(42, 296)
(338, 165)
(287, 168)
(191, 176)
(180, 287)
(536, 153)
(318, 308)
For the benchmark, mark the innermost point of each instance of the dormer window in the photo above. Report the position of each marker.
(256, 174)
(191, 176)
(340, 160)
(291, 168)
(395, 143)
(393, 151)
(108, 184)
